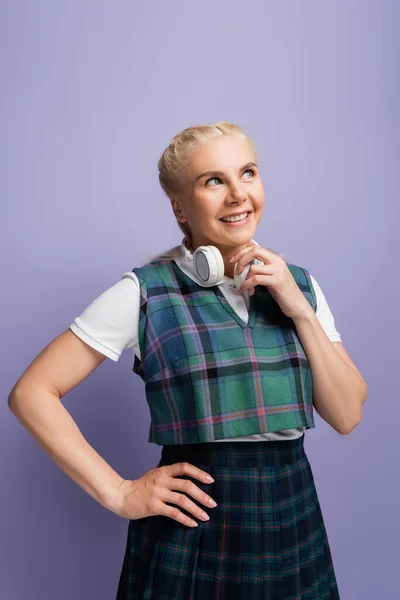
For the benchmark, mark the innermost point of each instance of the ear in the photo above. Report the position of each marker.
(178, 210)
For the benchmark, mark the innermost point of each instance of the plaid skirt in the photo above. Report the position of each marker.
(265, 539)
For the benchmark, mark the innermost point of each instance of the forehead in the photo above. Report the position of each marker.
(221, 154)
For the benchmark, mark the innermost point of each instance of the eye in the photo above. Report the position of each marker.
(219, 179)
(211, 179)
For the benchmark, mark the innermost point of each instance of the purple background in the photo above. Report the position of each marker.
(91, 94)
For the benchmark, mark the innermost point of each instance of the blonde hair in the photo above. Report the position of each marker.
(174, 161)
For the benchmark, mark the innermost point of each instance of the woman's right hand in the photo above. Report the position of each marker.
(147, 496)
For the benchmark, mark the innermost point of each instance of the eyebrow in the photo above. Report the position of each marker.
(210, 173)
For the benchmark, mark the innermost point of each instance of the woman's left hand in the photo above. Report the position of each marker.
(275, 275)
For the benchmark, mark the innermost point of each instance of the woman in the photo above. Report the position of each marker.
(227, 374)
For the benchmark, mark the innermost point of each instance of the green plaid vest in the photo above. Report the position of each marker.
(209, 375)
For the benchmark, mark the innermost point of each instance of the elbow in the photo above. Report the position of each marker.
(14, 400)
(11, 397)
(350, 422)
(348, 425)
(347, 428)
(11, 402)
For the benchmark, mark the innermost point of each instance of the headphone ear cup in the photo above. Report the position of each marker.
(209, 265)
(238, 278)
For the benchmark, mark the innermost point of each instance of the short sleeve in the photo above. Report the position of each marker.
(324, 313)
(110, 323)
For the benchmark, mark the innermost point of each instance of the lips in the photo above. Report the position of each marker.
(236, 214)
(239, 223)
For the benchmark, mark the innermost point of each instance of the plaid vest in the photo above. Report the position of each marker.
(209, 375)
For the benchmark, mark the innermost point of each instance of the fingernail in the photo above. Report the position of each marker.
(209, 478)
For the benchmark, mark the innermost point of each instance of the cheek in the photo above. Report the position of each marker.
(205, 206)
(259, 195)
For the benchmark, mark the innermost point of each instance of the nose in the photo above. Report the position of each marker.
(236, 194)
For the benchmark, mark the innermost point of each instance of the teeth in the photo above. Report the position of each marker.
(237, 218)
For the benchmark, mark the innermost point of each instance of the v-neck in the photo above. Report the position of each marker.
(181, 275)
(233, 313)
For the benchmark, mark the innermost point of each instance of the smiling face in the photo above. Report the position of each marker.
(222, 179)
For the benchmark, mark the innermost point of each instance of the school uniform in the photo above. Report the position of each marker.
(212, 376)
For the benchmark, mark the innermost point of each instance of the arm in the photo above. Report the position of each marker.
(339, 390)
(35, 401)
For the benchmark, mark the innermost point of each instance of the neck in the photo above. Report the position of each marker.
(226, 252)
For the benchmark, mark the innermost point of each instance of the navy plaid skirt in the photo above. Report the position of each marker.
(265, 539)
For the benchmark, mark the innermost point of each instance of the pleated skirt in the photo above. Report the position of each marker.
(266, 538)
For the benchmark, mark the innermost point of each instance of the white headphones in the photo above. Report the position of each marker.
(210, 267)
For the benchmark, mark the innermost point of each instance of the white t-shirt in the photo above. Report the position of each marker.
(110, 323)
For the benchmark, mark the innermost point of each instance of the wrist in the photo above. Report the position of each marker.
(306, 314)
(114, 500)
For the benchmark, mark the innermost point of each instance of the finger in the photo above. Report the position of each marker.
(186, 503)
(246, 259)
(185, 468)
(238, 256)
(252, 270)
(256, 271)
(174, 513)
(249, 284)
(190, 488)
(263, 254)
(241, 265)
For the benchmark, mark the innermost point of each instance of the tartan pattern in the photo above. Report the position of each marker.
(266, 538)
(208, 375)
